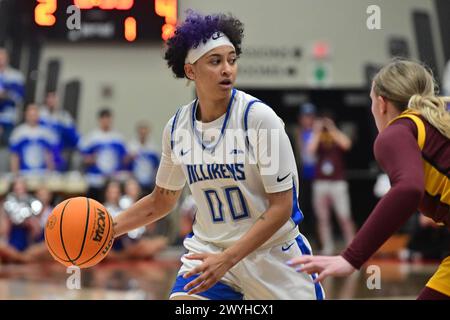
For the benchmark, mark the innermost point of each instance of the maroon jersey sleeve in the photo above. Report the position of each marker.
(397, 151)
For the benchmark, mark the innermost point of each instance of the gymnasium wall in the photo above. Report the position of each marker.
(279, 39)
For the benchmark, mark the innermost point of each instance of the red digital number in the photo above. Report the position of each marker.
(130, 29)
(124, 4)
(104, 4)
(167, 9)
(43, 13)
(84, 4)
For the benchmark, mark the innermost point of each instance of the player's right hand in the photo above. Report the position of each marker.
(323, 265)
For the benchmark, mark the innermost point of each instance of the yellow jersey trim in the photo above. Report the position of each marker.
(421, 135)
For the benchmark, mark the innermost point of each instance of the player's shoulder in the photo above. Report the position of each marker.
(400, 127)
(408, 122)
(181, 115)
(257, 111)
(398, 133)
(251, 104)
(246, 100)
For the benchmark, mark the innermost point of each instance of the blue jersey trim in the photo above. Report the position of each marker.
(297, 214)
(189, 235)
(174, 124)
(225, 123)
(247, 110)
(305, 251)
(220, 291)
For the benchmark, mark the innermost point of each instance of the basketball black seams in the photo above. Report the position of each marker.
(102, 247)
(48, 243)
(61, 233)
(54, 253)
(85, 230)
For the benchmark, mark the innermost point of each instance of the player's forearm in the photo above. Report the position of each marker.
(266, 226)
(393, 210)
(143, 212)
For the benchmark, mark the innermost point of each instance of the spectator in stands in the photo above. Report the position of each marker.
(12, 92)
(21, 225)
(32, 145)
(133, 193)
(133, 244)
(304, 135)
(145, 157)
(62, 125)
(330, 189)
(188, 209)
(113, 194)
(46, 197)
(104, 154)
(306, 118)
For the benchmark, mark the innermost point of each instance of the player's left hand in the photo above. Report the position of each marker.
(213, 268)
(323, 265)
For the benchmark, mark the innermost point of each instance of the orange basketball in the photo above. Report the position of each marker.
(79, 232)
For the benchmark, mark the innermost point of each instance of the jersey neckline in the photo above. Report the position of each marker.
(224, 125)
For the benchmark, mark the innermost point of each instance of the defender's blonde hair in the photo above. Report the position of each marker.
(409, 85)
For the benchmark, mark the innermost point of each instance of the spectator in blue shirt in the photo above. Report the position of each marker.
(12, 92)
(104, 154)
(63, 126)
(32, 145)
(306, 117)
(145, 157)
(304, 135)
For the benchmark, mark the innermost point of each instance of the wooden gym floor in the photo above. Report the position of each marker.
(153, 280)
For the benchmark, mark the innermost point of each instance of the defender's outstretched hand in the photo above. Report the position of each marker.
(323, 265)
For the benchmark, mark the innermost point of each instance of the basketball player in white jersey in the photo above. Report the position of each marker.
(234, 153)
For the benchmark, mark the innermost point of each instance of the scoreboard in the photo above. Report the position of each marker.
(103, 20)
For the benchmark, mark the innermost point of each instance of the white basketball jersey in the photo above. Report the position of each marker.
(230, 164)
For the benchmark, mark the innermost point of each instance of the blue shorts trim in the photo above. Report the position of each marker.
(305, 250)
(219, 291)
